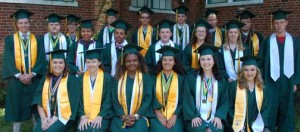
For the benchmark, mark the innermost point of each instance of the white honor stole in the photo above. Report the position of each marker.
(206, 109)
(48, 43)
(185, 35)
(114, 57)
(106, 36)
(231, 69)
(158, 46)
(80, 59)
(288, 64)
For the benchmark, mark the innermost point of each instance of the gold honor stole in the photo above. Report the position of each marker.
(194, 57)
(241, 107)
(218, 37)
(92, 105)
(19, 52)
(145, 43)
(172, 101)
(255, 44)
(137, 94)
(63, 103)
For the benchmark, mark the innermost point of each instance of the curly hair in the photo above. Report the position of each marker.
(206, 40)
(215, 70)
(239, 41)
(243, 82)
(120, 69)
(65, 71)
(178, 68)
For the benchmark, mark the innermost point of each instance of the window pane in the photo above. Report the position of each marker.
(155, 4)
(162, 4)
(168, 6)
(216, 1)
(141, 3)
(134, 3)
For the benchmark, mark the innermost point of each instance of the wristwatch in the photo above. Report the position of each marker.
(137, 116)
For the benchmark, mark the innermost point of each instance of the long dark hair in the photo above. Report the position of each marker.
(206, 40)
(120, 69)
(178, 68)
(65, 72)
(215, 70)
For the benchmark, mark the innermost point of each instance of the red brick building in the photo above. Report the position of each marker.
(128, 10)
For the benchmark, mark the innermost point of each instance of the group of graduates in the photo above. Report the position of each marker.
(171, 77)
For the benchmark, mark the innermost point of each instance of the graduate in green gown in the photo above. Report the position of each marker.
(57, 96)
(205, 101)
(106, 34)
(113, 50)
(73, 24)
(249, 101)
(145, 35)
(165, 33)
(217, 35)
(200, 36)
(54, 39)
(23, 67)
(95, 105)
(250, 38)
(168, 93)
(131, 94)
(280, 71)
(76, 59)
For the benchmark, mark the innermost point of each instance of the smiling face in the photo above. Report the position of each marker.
(165, 35)
(233, 34)
(23, 25)
(92, 65)
(206, 62)
(53, 27)
(86, 33)
(72, 27)
(58, 66)
(132, 63)
(120, 35)
(200, 33)
(168, 63)
(249, 72)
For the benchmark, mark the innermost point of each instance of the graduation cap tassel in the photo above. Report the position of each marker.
(176, 15)
(66, 24)
(50, 60)
(271, 22)
(14, 23)
(194, 27)
(157, 30)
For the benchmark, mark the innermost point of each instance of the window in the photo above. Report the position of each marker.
(220, 3)
(44, 2)
(162, 6)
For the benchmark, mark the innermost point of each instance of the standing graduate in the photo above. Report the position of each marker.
(106, 34)
(217, 34)
(189, 57)
(113, 49)
(57, 96)
(250, 38)
(205, 101)
(249, 100)
(23, 67)
(181, 30)
(54, 39)
(73, 24)
(165, 33)
(280, 70)
(76, 59)
(131, 94)
(168, 93)
(145, 35)
(95, 105)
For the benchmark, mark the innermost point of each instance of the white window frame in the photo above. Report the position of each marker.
(231, 3)
(43, 2)
(133, 8)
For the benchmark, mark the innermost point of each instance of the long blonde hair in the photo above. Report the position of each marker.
(243, 83)
(239, 41)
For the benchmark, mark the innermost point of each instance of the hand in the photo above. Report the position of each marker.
(45, 123)
(129, 120)
(79, 73)
(295, 88)
(27, 78)
(196, 122)
(161, 118)
(53, 120)
(83, 123)
(96, 123)
(171, 121)
(217, 122)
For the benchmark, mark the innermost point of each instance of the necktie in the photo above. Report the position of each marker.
(25, 38)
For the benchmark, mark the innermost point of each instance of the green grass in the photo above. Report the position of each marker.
(7, 126)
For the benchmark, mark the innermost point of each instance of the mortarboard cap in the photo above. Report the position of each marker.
(87, 23)
(165, 23)
(250, 60)
(245, 15)
(181, 10)
(121, 24)
(57, 54)
(21, 13)
(72, 18)
(93, 53)
(233, 24)
(54, 18)
(131, 48)
(210, 11)
(168, 51)
(202, 23)
(280, 14)
(145, 9)
(207, 49)
(111, 12)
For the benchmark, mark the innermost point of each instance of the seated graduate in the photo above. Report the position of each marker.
(57, 96)
(249, 100)
(131, 94)
(95, 105)
(168, 93)
(205, 101)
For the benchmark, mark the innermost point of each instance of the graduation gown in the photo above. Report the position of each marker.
(134, 38)
(18, 95)
(189, 105)
(213, 34)
(252, 106)
(106, 58)
(281, 91)
(73, 93)
(155, 124)
(180, 35)
(247, 41)
(100, 36)
(144, 111)
(105, 110)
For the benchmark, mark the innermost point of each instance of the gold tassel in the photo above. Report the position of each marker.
(14, 23)
(176, 15)
(122, 56)
(66, 25)
(50, 61)
(271, 22)
(157, 30)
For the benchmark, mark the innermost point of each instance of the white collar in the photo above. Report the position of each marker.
(21, 34)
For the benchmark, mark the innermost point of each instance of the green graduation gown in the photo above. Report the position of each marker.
(73, 69)
(100, 36)
(73, 93)
(134, 38)
(105, 110)
(252, 106)
(180, 35)
(247, 41)
(144, 110)
(281, 91)
(155, 124)
(106, 58)
(213, 34)
(18, 95)
(189, 105)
